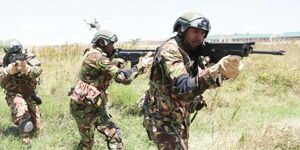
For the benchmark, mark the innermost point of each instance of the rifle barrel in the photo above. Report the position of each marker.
(277, 52)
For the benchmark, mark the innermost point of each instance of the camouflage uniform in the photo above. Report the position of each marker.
(89, 98)
(20, 90)
(167, 109)
(180, 73)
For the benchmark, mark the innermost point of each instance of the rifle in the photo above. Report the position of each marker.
(132, 55)
(15, 57)
(217, 51)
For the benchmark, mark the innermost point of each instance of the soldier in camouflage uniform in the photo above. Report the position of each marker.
(179, 75)
(19, 79)
(89, 95)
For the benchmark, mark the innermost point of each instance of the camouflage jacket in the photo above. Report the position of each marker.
(24, 84)
(165, 101)
(95, 75)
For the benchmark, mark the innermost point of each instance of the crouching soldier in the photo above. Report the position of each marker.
(19, 73)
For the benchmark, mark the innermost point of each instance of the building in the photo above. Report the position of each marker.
(287, 36)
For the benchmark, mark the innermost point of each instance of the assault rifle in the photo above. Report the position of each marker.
(15, 57)
(132, 55)
(215, 51)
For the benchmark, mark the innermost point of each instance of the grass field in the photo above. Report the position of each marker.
(260, 109)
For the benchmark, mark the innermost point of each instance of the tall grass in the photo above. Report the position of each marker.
(260, 109)
(1, 44)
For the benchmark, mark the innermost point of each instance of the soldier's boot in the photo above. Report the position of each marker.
(115, 144)
(114, 141)
(82, 146)
(25, 130)
(26, 140)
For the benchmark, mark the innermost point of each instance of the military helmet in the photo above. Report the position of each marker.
(12, 46)
(104, 35)
(192, 19)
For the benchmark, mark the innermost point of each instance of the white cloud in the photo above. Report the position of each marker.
(34, 27)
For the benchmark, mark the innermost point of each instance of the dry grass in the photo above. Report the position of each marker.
(260, 109)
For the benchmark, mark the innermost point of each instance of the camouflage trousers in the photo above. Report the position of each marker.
(24, 109)
(89, 117)
(166, 135)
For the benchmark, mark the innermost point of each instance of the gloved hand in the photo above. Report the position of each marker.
(11, 69)
(124, 77)
(119, 62)
(121, 77)
(22, 67)
(229, 66)
(145, 61)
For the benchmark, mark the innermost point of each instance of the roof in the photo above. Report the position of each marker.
(239, 36)
(246, 36)
(249, 36)
(214, 37)
(290, 34)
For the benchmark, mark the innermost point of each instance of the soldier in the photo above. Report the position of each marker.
(19, 75)
(89, 96)
(179, 75)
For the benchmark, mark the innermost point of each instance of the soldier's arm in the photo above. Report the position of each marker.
(2, 74)
(183, 83)
(119, 62)
(34, 68)
(8, 70)
(3, 71)
(120, 75)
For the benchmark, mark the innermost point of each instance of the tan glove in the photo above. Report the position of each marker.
(119, 62)
(229, 66)
(11, 69)
(121, 78)
(145, 61)
(22, 67)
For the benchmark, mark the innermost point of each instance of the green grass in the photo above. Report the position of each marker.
(260, 109)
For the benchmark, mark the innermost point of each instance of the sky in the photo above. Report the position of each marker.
(47, 22)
